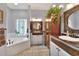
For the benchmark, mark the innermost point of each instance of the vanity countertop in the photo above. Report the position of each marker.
(71, 47)
(68, 38)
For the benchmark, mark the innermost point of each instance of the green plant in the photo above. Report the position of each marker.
(54, 12)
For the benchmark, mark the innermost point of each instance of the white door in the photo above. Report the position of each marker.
(53, 49)
(3, 51)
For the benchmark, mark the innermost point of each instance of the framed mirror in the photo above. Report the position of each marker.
(1, 16)
(71, 20)
(36, 27)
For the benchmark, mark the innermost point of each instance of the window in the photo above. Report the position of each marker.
(21, 27)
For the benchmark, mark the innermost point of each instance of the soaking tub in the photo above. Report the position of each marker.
(16, 45)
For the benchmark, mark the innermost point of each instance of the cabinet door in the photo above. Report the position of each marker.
(63, 53)
(53, 49)
(57, 51)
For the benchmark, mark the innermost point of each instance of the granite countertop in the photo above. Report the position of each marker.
(71, 47)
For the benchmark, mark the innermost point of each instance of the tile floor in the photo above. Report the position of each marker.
(35, 51)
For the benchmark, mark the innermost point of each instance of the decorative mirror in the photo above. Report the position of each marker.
(1, 16)
(36, 27)
(71, 20)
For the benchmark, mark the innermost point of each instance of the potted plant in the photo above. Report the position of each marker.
(53, 13)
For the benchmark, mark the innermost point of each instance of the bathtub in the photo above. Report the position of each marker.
(16, 45)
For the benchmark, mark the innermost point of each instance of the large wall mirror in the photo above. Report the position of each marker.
(71, 20)
(1, 16)
(36, 27)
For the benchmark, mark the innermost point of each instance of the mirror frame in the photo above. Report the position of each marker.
(36, 31)
(66, 16)
(1, 16)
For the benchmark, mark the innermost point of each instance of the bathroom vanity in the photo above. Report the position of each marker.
(56, 50)
(59, 47)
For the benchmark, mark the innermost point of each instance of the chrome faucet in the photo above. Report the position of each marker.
(10, 42)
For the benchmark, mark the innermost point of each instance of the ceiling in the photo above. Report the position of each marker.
(18, 6)
(40, 6)
(34, 6)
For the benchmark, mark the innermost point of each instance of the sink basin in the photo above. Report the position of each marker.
(68, 38)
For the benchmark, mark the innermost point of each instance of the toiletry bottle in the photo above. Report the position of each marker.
(67, 33)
